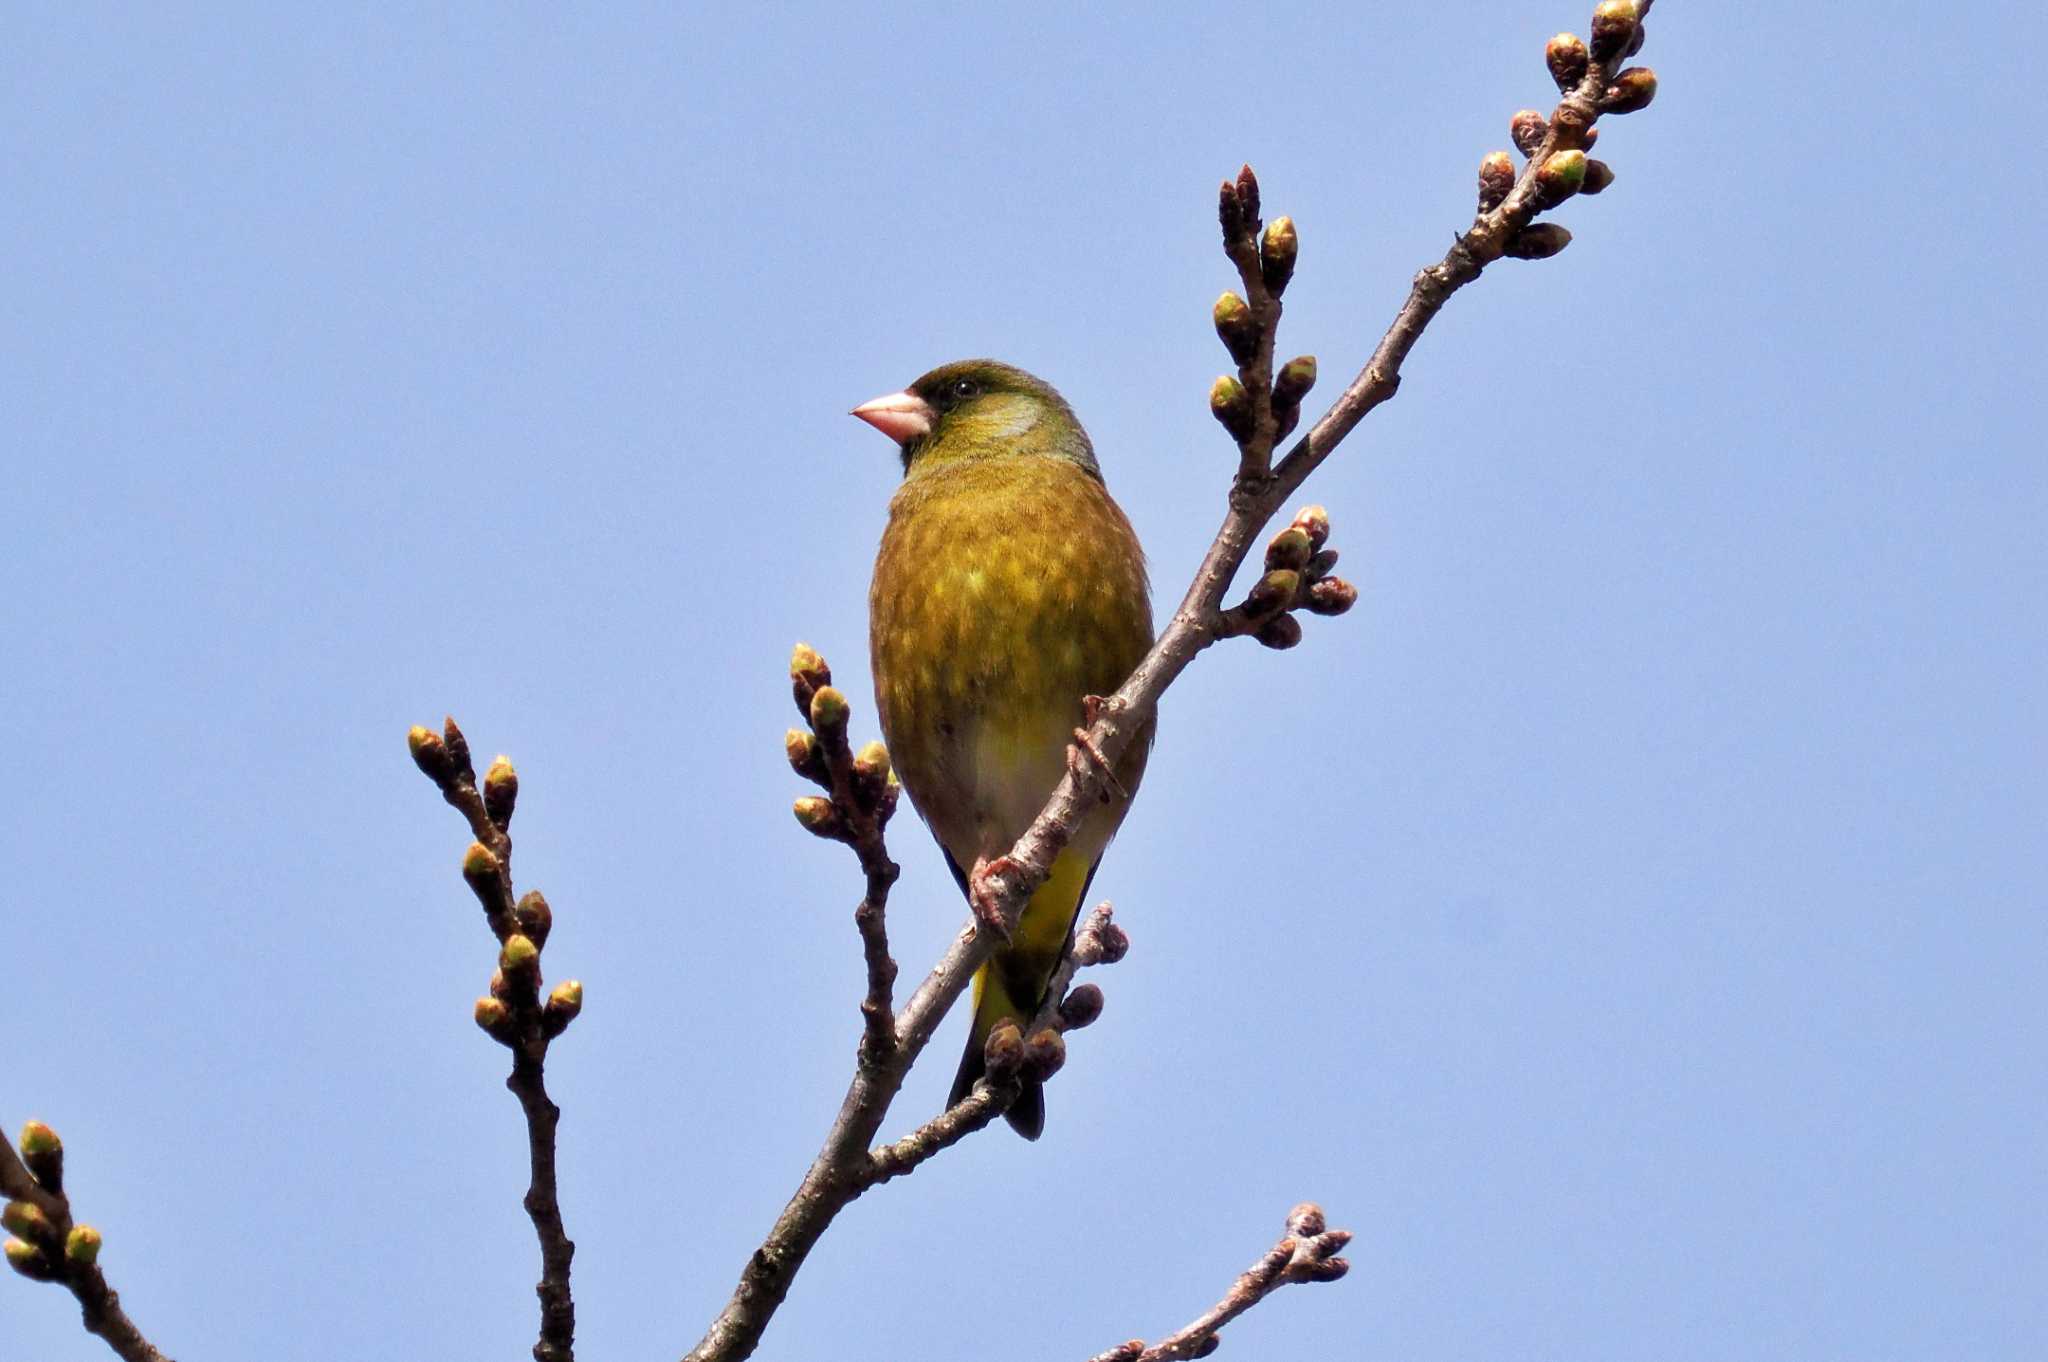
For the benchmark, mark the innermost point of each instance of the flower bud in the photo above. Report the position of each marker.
(482, 869)
(1537, 242)
(430, 754)
(1080, 1007)
(1296, 377)
(1003, 1052)
(1305, 1220)
(494, 1017)
(534, 917)
(1314, 521)
(1598, 176)
(1115, 943)
(1614, 28)
(1277, 251)
(818, 816)
(872, 763)
(29, 1261)
(1289, 549)
(1325, 1269)
(457, 748)
(501, 791)
(43, 1152)
(1248, 196)
(1560, 176)
(829, 712)
(1229, 212)
(807, 672)
(1230, 404)
(1331, 596)
(1528, 128)
(1236, 328)
(1280, 632)
(519, 957)
(806, 758)
(564, 1004)
(1496, 180)
(1207, 1347)
(82, 1245)
(1044, 1053)
(1274, 591)
(1633, 89)
(1567, 58)
(26, 1220)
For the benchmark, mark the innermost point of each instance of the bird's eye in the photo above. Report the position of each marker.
(965, 388)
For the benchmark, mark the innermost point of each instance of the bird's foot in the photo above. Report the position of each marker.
(981, 894)
(1113, 789)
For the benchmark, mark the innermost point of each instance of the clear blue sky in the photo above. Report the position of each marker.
(1645, 948)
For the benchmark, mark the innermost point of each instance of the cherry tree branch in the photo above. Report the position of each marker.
(49, 1246)
(1257, 407)
(514, 1013)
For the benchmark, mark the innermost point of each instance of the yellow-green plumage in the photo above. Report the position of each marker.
(1008, 587)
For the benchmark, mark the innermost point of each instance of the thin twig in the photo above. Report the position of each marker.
(99, 1304)
(1308, 1253)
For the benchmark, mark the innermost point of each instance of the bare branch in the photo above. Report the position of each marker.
(1307, 1253)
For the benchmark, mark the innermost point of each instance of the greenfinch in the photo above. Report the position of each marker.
(1009, 589)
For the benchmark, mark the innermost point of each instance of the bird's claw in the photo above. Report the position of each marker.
(981, 895)
(1091, 709)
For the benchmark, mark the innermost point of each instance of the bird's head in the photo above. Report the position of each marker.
(978, 409)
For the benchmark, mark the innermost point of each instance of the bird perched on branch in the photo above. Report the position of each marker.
(1009, 587)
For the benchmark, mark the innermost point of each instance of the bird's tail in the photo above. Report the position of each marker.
(1011, 984)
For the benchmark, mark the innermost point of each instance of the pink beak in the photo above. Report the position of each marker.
(901, 416)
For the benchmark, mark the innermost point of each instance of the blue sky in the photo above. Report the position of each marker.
(1628, 920)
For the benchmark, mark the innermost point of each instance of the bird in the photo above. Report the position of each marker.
(1009, 593)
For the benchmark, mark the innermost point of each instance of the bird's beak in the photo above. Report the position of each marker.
(902, 417)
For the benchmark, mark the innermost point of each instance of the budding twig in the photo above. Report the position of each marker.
(1307, 1253)
(49, 1246)
(515, 1014)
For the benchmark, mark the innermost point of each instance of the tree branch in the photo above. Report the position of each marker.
(48, 1246)
(514, 1013)
(1308, 1253)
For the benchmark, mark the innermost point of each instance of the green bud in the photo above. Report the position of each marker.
(1527, 129)
(1598, 176)
(1332, 596)
(494, 1017)
(1296, 377)
(519, 957)
(1280, 632)
(82, 1245)
(1275, 591)
(564, 1003)
(480, 863)
(501, 791)
(1538, 242)
(1633, 89)
(1235, 327)
(1080, 1007)
(872, 761)
(829, 711)
(1313, 521)
(1230, 404)
(1044, 1054)
(430, 754)
(1496, 180)
(1567, 58)
(1289, 549)
(1277, 251)
(26, 1220)
(807, 672)
(457, 747)
(535, 918)
(1560, 176)
(38, 1141)
(1003, 1052)
(806, 758)
(817, 815)
(29, 1261)
(1614, 28)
